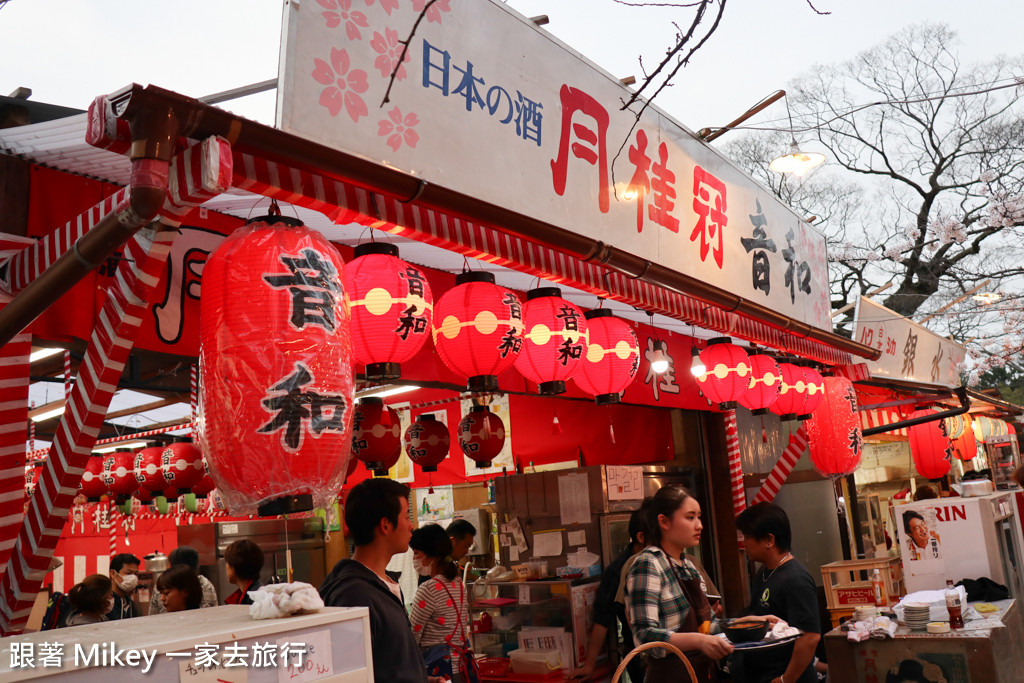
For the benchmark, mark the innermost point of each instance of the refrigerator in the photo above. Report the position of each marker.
(961, 538)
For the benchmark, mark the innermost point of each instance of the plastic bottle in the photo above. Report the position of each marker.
(956, 619)
(876, 585)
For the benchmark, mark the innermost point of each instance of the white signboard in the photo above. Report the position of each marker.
(909, 351)
(488, 104)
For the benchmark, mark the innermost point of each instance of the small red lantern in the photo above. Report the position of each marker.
(182, 466)
(791, 392)
(376, 435)
(202, 488)
(427, 442)
(554, 337)
(481, 435)
(611, 359)
(92, 485)
(478, 329)
(148, 472)
(965, 446)
(118, 475)
(32, 473)
(275, 401)
(391, 307)
(930, 446)
(727, 372)
(814, 392)
(763, 387)
(834, 431)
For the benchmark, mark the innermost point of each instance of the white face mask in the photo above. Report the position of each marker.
(422, 568)
(110, 605)
(128, 583)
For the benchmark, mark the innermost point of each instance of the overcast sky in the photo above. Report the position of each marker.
(68, 51)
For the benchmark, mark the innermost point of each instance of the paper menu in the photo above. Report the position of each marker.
(576, 538)
(547, 543)
(574, 498)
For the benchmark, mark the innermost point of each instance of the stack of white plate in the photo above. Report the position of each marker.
(916, 615)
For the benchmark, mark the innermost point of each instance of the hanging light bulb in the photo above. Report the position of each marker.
(795, 161)
(697, 367)
(659, 361)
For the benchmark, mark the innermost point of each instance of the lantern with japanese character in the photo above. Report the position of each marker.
(148, 472)
(814, 392)
(92, 485)
(833, 431)
(275, 401)
(376, 435)
(478, 329)
(391, 308)
(32, 473)
(118, 475)
(930, 446)
(554, 337)
(763, 387)
(481, 435)
(986, 427)
(727, 372)
(182, 466)
(427, 442)
(965, 445)
(611, 359)
(792, 391)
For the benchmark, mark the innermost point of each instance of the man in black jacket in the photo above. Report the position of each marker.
(377, 517)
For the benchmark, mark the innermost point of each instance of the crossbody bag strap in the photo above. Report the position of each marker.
(458, 611)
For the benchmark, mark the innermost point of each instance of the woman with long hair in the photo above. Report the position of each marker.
(179, 589)
(664, 599)
(440, 610)
(91, 600)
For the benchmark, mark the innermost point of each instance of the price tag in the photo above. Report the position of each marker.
(316, 663)
(188, 672)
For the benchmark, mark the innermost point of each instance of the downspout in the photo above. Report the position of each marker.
(153, 135)
(965, 405)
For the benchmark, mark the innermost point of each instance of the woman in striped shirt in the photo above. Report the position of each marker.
(440, 610)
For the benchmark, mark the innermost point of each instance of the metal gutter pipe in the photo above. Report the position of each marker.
(965, 405)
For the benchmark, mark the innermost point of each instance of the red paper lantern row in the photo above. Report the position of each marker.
(32, 473)
(275, 402)
(727, 373)
(834, 431)
(478, 329)
(611, 359)
(930, 446)
(763, 386)
(814, 392)
(427, 442)
(92, 485)
(481, 435)
(148, 471)
(965, 446)
(202, 488)
(391, 306)
(118, 475)
(376, 435)
(182, 466)
(554, 337)
(792, 391)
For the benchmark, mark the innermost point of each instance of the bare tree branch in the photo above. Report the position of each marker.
(405, 48)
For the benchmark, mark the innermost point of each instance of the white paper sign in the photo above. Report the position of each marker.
(574, 538)
(516, 529)
(547, 543)
(188, 672)
(316, 663)
(574, 498)
(625, 483)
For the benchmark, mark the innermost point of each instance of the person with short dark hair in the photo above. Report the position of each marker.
(124, 573)
(244, 562)
(189, 557)
(461, 532)
(91, 600)
(179, 589)
(922, 543)
(781, 589)
(377, 517)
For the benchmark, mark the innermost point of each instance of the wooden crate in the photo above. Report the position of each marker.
(848, 582)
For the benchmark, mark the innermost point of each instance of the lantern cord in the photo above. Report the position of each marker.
(253, 208)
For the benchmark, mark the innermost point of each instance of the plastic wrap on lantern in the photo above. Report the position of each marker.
(814, 392)
(148, 471)
(182, 466)
(611, 359)
(391, 307)
(930, 446)
(92, 485)
(481, 435)
(965, 446)
(554, 337)
(118, 475)
(763, 387)
(376, 435)
(275, 400)
(727, 372)
(834, 432)
(427, 442)
(478, 329)
(790, 400)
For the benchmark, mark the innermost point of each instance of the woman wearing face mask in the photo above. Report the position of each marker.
(440, 610)
(91, 600)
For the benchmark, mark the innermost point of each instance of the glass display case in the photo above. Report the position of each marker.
(1003, 459)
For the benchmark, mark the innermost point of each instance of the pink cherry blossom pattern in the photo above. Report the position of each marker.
(386, 5)
(388, 51)
(398, 130)
(434, 12)
(340, 11)
(343, 86)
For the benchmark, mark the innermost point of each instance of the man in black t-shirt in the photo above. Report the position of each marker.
(782, 588)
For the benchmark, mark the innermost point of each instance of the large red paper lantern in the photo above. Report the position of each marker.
(481, 435)
(930, 446)
(275, 400)
(611, 359)
(814, 392)
(727, 372)
(478, 329)
(427, 442)
(965, 444)
(790, 400)
(391, 307)
(763, 386)
(148, 472)
(118, 475)
(182, 466)
(92, 485)
(554, 337)
(834, 431)
(376, 435)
